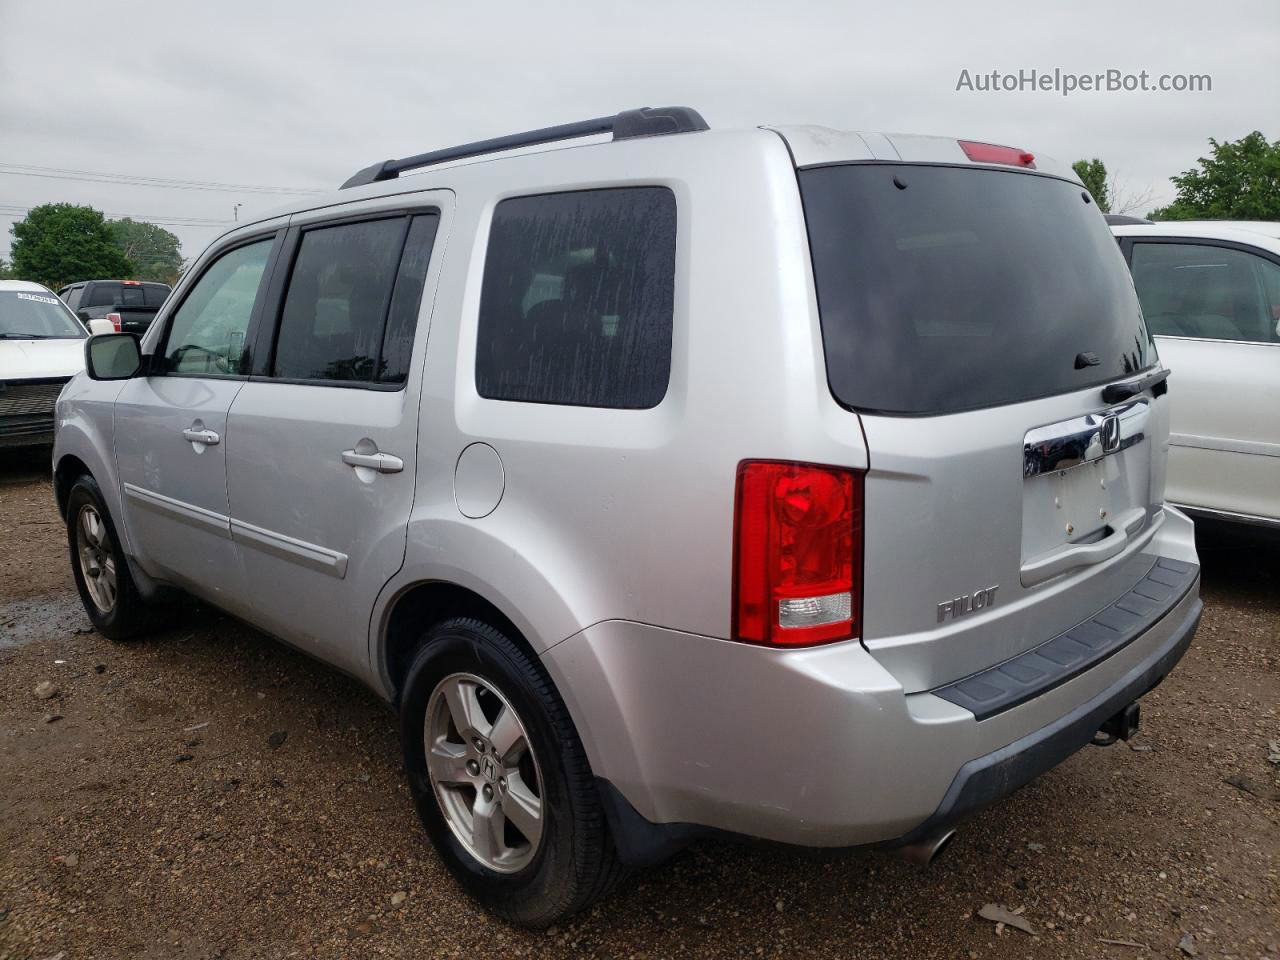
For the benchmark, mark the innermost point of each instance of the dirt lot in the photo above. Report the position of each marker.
(210, 793)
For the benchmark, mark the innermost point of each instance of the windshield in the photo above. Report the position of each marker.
(953, 288)
(39, 316)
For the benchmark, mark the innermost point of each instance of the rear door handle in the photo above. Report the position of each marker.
(197, 435)
(382, 462)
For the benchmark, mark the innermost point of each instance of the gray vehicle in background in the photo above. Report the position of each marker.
(787, 482)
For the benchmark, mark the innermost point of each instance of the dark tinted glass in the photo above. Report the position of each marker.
(153, 294)
(131, 296)
(577, 299)
(964, 288)
(335, 309)
(402, 320)
(1198, 290)
(73, 296)
(103, 295)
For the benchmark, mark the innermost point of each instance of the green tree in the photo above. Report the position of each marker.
(1240, 180)
(153, 251)
(1093, 174)
(61, 243)
(6, 270)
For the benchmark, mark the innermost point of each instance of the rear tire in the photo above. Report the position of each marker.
(502, 740)
(100, 567)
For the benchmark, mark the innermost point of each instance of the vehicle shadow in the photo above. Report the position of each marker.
(1239, 564)
(24, 464)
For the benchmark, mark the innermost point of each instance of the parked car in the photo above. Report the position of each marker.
(1210, 291)
(793, 483)
(41, 348)
(129, 305)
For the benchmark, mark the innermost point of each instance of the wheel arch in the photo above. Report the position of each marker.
(66, 472)
(418, 607)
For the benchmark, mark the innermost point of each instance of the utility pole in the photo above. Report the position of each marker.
(235, 212)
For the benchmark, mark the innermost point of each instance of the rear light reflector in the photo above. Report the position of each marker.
(797, 553)
(994, 153)
(115, 320)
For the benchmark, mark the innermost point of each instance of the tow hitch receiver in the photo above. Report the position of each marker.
(1120, 727)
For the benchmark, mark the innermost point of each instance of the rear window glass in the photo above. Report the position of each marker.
(576, 304)
(131, 295)
(951, 288)
(103, 295)
(153, 294)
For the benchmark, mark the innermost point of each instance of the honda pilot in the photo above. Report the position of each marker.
(783, 482)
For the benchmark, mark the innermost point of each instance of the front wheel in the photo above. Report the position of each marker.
(99, 566)
(500, 778)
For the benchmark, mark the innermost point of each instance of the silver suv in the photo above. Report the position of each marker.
(787, 482)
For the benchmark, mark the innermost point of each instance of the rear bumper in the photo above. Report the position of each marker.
(986, 779)
(819, 747)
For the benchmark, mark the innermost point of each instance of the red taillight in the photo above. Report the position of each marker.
(115, 320)
(132, 283)
(994, 153)
(797, 553)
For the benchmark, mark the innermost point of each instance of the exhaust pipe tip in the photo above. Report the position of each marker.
(928, 850)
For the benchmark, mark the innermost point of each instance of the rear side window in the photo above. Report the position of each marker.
(577, 300)
(72, 297)
(103, 295)
(1200, 290)
(952, 288)
(351, 307)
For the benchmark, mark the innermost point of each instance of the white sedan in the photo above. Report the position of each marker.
(1210, 292)
(41, 348)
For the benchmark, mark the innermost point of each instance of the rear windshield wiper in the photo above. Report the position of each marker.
(1155, 382)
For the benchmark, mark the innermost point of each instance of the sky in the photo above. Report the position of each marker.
(298, 96)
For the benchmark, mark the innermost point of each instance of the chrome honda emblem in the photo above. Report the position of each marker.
(1110, 433)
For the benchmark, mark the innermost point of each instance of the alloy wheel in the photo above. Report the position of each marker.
(484, 773)
(97, 559)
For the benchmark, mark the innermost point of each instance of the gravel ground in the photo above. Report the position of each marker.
(209, 793)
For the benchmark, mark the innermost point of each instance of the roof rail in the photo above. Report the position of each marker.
(645, 122)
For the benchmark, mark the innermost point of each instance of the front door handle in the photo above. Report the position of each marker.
(200, 435)
(381, 462)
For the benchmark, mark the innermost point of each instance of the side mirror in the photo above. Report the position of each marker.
(99, 325)
(114, 356)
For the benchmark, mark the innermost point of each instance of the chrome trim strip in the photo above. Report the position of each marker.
(1247, 343)
(186, 513)
(1208, 513)
(1070, 443)
(287, 548)
(1258, 448)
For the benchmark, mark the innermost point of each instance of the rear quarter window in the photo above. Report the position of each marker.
(577, 300)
